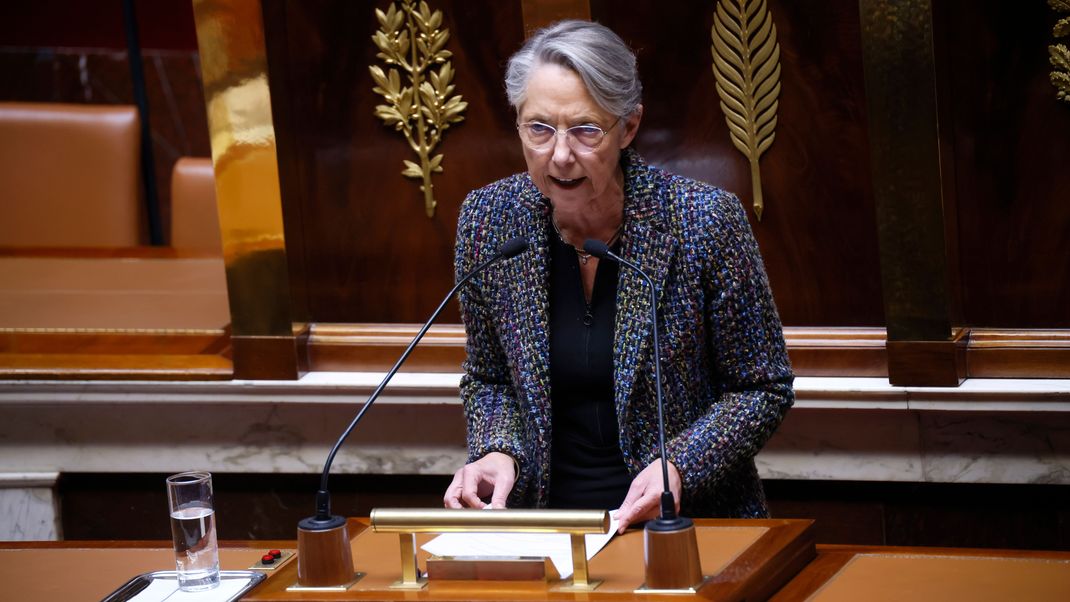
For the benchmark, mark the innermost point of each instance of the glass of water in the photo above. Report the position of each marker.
(189, 495)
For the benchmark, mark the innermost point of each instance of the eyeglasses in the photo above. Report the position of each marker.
(539, 136)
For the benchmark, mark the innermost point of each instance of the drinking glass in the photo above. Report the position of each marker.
(189, 496)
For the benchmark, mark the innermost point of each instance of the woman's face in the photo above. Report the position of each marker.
(556, 96)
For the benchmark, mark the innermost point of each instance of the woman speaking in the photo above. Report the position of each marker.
(558, 387)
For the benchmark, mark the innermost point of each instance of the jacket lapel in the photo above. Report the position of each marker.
(529, 279)
(646, 242)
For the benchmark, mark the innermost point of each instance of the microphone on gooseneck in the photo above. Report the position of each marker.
(601, 250)
(323, 518)
(669, 542)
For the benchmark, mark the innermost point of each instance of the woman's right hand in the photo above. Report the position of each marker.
(492, 475)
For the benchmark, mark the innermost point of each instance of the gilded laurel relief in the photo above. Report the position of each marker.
(746, 63)
(411, 39)
(1059, 54)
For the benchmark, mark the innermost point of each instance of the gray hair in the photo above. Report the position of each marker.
(601, 59)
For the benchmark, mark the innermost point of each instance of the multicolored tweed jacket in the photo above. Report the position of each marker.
(727, 379)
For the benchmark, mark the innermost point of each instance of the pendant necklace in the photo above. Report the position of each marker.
(584, 256)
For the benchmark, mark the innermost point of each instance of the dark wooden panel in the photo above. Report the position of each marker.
(127, 506)
(540, 13)
(1011, 142)
(371, 254)
(162, 24)
(818, 234)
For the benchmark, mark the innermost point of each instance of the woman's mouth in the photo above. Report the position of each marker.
(567, 182)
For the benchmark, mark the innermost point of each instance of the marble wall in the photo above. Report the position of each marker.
(851, 430)
(29, 507)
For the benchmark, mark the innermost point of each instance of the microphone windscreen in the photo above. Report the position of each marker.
(596, 247)
(514, 247)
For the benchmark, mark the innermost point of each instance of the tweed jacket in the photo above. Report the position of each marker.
(726, 375)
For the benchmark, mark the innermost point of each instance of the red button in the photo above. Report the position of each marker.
(267, 559)
(275, 553)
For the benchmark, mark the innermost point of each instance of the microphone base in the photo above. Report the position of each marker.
(324, 558)
(670, 554)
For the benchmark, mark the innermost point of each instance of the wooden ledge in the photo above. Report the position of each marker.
(82, 366)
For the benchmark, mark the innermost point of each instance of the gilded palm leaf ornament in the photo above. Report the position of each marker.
(746, 64)
(412, 40)
(1059, 54)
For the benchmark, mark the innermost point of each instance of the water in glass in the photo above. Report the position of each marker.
(196, 551)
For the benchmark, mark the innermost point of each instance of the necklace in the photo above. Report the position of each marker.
(584, 256)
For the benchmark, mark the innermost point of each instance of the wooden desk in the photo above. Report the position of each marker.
(112, 289)
(879, 574)
(750, 559)
(32, 571)
(143, 312)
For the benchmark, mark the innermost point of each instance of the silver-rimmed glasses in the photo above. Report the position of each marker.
(539, 136)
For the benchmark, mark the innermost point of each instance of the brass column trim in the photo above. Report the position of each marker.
(900, 79)
(230, 39)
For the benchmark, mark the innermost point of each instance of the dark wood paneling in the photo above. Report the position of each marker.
(1011, 142)
(249, 506)
(540, 13)
(818, 234)
(928, 514)
(114, 506)
(162, 24)
(371, 254)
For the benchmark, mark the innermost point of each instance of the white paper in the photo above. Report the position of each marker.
(161, 590)
(555, 546)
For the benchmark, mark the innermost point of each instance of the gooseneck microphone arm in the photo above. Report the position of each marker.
(511, 248)
(601, 250)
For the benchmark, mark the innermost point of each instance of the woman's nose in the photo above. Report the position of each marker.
(562, 150)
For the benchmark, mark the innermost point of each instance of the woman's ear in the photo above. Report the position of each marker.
(631, 126)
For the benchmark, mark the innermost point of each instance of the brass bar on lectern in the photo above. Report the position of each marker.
(410, 574)
(446, 520)
(579, 560)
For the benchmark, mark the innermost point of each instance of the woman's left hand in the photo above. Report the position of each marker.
(643, 501)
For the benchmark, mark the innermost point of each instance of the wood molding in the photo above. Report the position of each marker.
(88, 366)
(270, 357)
(375, 347)
(86, 354)
(929, 363)
(837, 351)
(1003, 353)
(193, 355)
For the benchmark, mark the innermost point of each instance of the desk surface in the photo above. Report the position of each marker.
(879, 574)
(160, 293)
(749, 559)
(90, 570)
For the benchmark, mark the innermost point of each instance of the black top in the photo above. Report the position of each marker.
(587, 468)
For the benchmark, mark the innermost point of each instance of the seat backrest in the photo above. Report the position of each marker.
(69, 175)
(194, 217)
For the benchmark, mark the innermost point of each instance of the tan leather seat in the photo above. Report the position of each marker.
(194, 217)
(69, 175)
